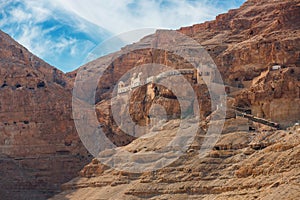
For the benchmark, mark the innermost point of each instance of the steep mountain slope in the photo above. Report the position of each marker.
(39, 146)
(236, 169)
(245, 44)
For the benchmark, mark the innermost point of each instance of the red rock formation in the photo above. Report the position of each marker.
(246, 40)
(242, 165)
(274, 95)
(40, 149)
(244, 43)
(39, 146)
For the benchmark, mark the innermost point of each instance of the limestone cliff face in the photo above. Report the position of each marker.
(142, 98)
(274, 95)
(245, 43)
(40, 149)
(39, 146)
(242, 165)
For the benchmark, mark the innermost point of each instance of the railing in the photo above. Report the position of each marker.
(257, 119)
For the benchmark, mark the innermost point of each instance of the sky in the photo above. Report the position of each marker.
(64, 32)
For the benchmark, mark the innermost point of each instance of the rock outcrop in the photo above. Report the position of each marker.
(243, 165)
(274, 95)
(245, 43)
(39, 146)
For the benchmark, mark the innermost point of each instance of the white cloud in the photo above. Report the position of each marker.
(121, 16)
(25, 20)
(27, 39)
(37, 41)
(19, 15)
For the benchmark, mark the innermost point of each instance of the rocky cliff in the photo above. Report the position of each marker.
(243, 165)
(39, 146)
(246, 44)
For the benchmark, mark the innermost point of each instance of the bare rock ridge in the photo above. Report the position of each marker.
(256, 49)
(245, 44)
(242, 166)
(39, 146)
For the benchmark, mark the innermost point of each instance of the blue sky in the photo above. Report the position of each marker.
(64, 32)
